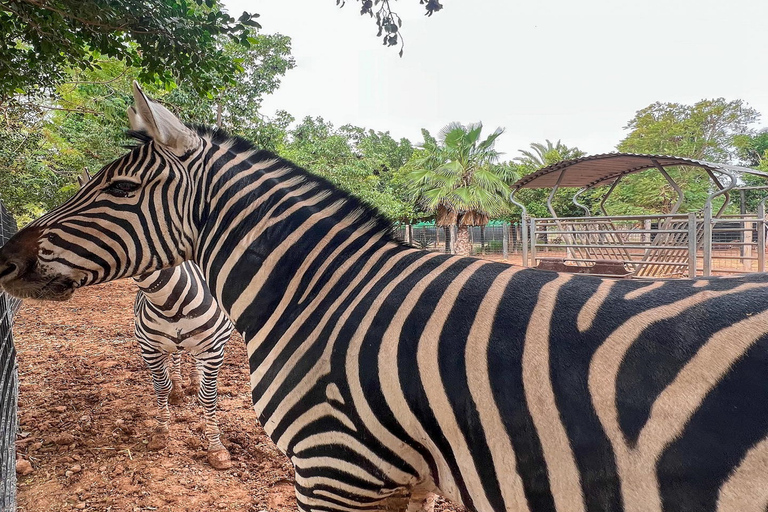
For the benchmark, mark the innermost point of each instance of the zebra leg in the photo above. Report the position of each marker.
(177, 393)
(161, 379)
(218, 456)
(194, 378)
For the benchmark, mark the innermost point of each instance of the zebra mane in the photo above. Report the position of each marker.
(366, 211)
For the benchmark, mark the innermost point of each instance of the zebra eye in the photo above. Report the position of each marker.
(121, 188)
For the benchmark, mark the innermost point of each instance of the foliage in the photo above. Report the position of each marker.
(752, 150)
(167, 40)
(706, 130)
(543, 155)
(45, 145)
(712, 130)
(388, 21)
(363, 162)
(456, 176)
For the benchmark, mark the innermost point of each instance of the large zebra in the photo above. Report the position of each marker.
(385, 372)
(175, 311)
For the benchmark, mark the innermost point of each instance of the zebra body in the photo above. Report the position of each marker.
(386, 373)
(174, 311)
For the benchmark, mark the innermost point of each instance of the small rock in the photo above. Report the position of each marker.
(68, 473)
(102, 469)
(80, 506)
(193, 443)
(65, 438)
(76, 468)
(60, 408)
(23, 467)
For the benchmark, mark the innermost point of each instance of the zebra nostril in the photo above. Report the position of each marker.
(8, 269)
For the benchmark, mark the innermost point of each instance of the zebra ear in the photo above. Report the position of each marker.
(164, 127)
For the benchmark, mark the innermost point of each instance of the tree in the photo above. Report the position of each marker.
(388, 21)
(362, 162)
(44, 145)
(167, 40)
(707, 130)
(543, 155)
(456, 178)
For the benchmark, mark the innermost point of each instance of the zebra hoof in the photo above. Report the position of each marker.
(220, 459)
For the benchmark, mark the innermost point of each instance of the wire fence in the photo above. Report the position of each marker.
(486, 240)
(9, 383)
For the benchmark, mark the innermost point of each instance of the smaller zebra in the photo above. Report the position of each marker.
(175, 311)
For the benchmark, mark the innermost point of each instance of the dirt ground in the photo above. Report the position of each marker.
(87, 409)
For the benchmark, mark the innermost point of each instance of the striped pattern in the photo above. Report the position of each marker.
(174, 312)
(386, 373)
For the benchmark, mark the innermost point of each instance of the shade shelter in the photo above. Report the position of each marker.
(664, 244)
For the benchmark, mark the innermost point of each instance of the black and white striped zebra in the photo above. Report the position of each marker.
(386, 372)
(174, 312)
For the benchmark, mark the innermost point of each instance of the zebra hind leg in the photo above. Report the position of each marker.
(194, 378)
(218, 455)
(177, 393)
(161, 380)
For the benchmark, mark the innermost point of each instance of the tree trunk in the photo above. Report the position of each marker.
(463, 245)
(482, 240)
(447, 230)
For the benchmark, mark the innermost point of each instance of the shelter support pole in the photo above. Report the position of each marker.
(692, 245)
(761, 236)
(707, 239)
(524, 238)
(533, 241)
(504, 241)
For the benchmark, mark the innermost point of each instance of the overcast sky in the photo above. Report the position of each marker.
(548, 69)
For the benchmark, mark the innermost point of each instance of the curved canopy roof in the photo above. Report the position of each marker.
(597, 170)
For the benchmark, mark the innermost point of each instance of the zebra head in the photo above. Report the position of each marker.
(131, 217)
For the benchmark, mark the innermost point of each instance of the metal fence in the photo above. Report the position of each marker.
(497, 240)
(8, 384)
(680, 245)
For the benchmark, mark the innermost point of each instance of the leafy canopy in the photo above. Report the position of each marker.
(168, 40)
(456, 176)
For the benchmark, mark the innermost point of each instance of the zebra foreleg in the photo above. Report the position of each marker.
(177, 393)
(161, 380)
(218, 456)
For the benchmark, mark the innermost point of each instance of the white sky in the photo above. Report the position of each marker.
(574, 70)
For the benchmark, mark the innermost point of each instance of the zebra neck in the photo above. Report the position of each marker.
(273, 238)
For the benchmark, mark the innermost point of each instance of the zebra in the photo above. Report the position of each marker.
(385, 372)
(175, 311)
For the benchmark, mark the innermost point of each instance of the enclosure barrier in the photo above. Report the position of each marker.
(679, 245)
(8, 384)
(496, 240)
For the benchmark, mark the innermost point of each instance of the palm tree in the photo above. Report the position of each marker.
(456, 178)
(546, 154)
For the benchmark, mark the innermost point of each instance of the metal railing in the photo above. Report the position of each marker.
(9, 387)
(673, 245)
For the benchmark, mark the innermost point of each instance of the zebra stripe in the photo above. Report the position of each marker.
(174, 311)
(386, 373)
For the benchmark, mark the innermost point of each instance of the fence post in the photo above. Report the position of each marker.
(504, 241)
(524, 238)
(533, 242)
(707, 240)
(9, 389)
(692, 245)
(761, 237)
